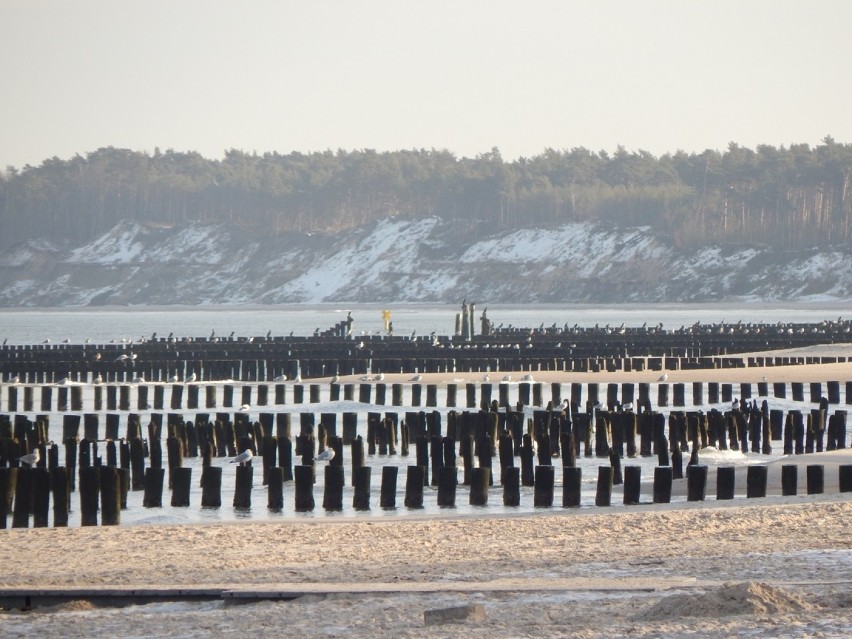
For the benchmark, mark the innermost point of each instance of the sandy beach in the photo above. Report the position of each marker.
(773, 567)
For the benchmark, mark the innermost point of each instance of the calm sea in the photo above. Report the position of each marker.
(101, 325)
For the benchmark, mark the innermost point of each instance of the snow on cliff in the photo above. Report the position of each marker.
(402, 260)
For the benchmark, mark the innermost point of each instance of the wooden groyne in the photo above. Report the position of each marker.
(497, 446)
(338, 352)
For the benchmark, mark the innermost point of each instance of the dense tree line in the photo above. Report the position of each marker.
(792, 198)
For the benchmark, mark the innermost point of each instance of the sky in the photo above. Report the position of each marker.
(466, 76)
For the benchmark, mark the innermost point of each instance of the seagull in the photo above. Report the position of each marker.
(243, 458)
(335, 379)
(628, 406)
(663, 377)
(245, 407)
(32, 459)
(380, 377)
(280, 378)
(527, 378)
(365, 378)
(326, 455)
(99, 379)
(486, 378)
(190, 379)
(172, 379)
(507, 377)
(416, 378)
(15, 380)
(139, 379)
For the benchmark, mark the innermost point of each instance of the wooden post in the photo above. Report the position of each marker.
(357, 448)
(181, 482)
(388, 490)
(41, 497)
(815, 479)
(844, 478)
(756, 481)
(632, 484)
(789, 479)
(90, 477)
(361, 481)
(23, 498)
(153, 497)
(304, 492)
(603, 494)
(110, 496)
(61, 491)
(479, 481)
(511, 480)
(571, 483)
(285, 457)
(447, 481)
(275, 489)
(696, 483)
(211, 487)
(662, 484)
(332, 498)
(725, 482)
(543, 492)
(8, 485)
(414, 481)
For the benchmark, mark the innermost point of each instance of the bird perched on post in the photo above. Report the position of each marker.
(32, 459)
(243, 458)
(326, 455)
(663, 377)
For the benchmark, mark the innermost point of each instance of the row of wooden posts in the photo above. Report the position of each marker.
(104, 489)
(152, 396)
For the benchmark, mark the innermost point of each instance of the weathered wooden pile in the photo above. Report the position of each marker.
(105, 464)
(338, 352)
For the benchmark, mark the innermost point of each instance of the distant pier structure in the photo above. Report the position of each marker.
(338, 351)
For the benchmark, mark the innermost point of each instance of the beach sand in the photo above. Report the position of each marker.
(774, 567)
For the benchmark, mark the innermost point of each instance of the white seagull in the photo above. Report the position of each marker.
(243, 458)
(32, 459)
(507, 378)
(139, 379)
(190, 379)
(486, 378)
(15, 380)
(335, 379)
(663, 377)
(380, 377)
(172, 379)
(416, 378)
(280, 378)
(245, 407)
(527, 378)
(99, 379)
(326, 455)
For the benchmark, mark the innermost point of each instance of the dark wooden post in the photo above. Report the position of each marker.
(61, 492)
(662, 484)
(632, 484)
(361, 482)
(479, 481)
(275, 489)
(90, 478)
(725, 482)
(756, 481)
(543, 492)
(110, 496)
(153, 497)
(8, 486)
(815, 479)
(332, 498)
(789, 479)
(41, 497)
(511, 480)
(388, 490)
(414, 481)
(603, 494)
(696, 483)
(181, 479)
(844, 478)
(304, 492)
(211, 487)
(447, 481)
(571, 483)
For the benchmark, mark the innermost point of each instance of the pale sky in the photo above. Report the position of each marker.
(462, 75)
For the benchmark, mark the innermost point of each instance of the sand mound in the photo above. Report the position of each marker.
(77, 605)
(747, 598)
